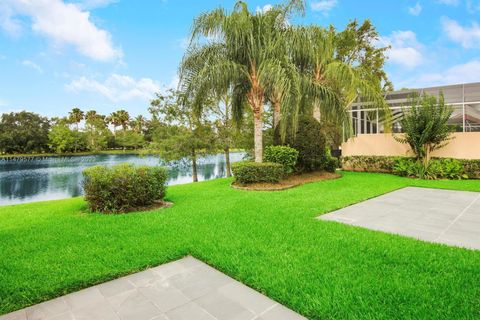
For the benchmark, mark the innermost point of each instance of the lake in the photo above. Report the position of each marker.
(37, 179)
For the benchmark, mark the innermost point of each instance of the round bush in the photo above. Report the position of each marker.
(283, 155)
(311, 145)
(250, 172)
(124, 187)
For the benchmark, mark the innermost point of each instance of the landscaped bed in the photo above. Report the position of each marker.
(288, 182)
(269, 241)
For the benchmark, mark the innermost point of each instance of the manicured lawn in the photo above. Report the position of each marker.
(268, 240)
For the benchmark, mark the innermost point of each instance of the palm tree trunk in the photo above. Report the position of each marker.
(316, 111)
(194, 166)
(227, 162)
(277, 114)
(258, 137)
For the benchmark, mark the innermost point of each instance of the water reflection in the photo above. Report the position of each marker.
(27, 180)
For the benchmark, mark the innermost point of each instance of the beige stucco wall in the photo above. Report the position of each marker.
(464, 145)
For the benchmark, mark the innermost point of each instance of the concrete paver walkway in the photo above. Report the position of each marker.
(186, 289)
(443, 216)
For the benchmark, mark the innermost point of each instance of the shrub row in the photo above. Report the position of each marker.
(123, 187)
(439, 168)
(250, 172)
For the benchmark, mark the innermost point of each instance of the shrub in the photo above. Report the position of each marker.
(283, 155)
(310, 143)
(438, 168)
(250, 172)
(123, 187)
(331, 164)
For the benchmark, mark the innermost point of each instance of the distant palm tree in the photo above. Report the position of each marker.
(76, 116)
(91, 116)
(123, 118)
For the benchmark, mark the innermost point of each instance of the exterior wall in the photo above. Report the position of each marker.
(464, 145)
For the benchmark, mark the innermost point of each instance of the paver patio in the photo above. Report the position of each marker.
(443, 216)
(186, 289)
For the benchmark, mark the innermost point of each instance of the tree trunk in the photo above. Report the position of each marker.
(227, 162)
(194, 166)
(258, 137)
(316, 111)
(277, 114)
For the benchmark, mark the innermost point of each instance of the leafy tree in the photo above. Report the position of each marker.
(63, 139)
(186, 134)
(139, 124)
(425, 126)
(123, 118)
(96, 131)
(23, 132)
(129, 139)
(243, 51)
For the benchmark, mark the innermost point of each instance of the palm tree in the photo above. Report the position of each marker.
(242, 52)
(138, 124)
(76, 116)
(313, 52)
(123, 118)
(90, 116)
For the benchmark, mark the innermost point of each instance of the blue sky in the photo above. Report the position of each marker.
(112, 54)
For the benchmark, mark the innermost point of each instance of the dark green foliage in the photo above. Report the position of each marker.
(438, 168)
(23, 132)
(331, 164)
(123, 187)
(425, 126)
(309, 141)
(250, 172)
(283, 155)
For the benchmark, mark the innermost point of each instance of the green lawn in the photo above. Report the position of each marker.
(268, 240)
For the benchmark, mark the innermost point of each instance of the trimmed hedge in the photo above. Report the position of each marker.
(246, 172)
(283, 155)
(439, 168)
(124, 187)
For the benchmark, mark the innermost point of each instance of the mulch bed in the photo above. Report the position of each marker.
(289, 182)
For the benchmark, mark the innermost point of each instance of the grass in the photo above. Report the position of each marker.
(269, 241)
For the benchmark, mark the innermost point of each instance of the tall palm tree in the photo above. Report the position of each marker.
(76, 116)
(123, 118)
(90, 116)
(313, 52)
(242, 50)
(138, 123)
(114, 119)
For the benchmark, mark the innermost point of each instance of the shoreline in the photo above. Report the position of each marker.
(78, 154)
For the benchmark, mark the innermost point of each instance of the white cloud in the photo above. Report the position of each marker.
(62, 23)
(468, 37)
(33, 65)
(415, 10)
(461, 73)
(265, 8)
(323, 6)
(449, 2)
(405, 49)
(93, 4)
(117, 88)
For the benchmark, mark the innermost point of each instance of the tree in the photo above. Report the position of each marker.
(186, 134)
(129, 139)
(76, 116)
(63, 139)
(243, 51)
(425, 126)
(96, 131)
(23, 132)
(139, 124)
(123, 118)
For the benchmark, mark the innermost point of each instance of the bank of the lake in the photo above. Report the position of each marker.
(47, 178)
(267, 240)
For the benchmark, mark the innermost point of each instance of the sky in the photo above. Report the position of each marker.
(112, 54)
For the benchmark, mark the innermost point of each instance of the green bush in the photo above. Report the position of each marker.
(250, 172)
(438, 168)
(283, 155)
(310, 143)
(331, 164)
(123, 187)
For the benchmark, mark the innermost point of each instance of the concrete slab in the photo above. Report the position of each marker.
(443, 216)
(186, 289)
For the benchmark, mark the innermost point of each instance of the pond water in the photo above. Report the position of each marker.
(38, 179)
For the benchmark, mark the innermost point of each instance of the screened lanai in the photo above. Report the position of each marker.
(464, 98)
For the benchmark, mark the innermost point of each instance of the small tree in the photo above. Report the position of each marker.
(185, 135)
(425, 126)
